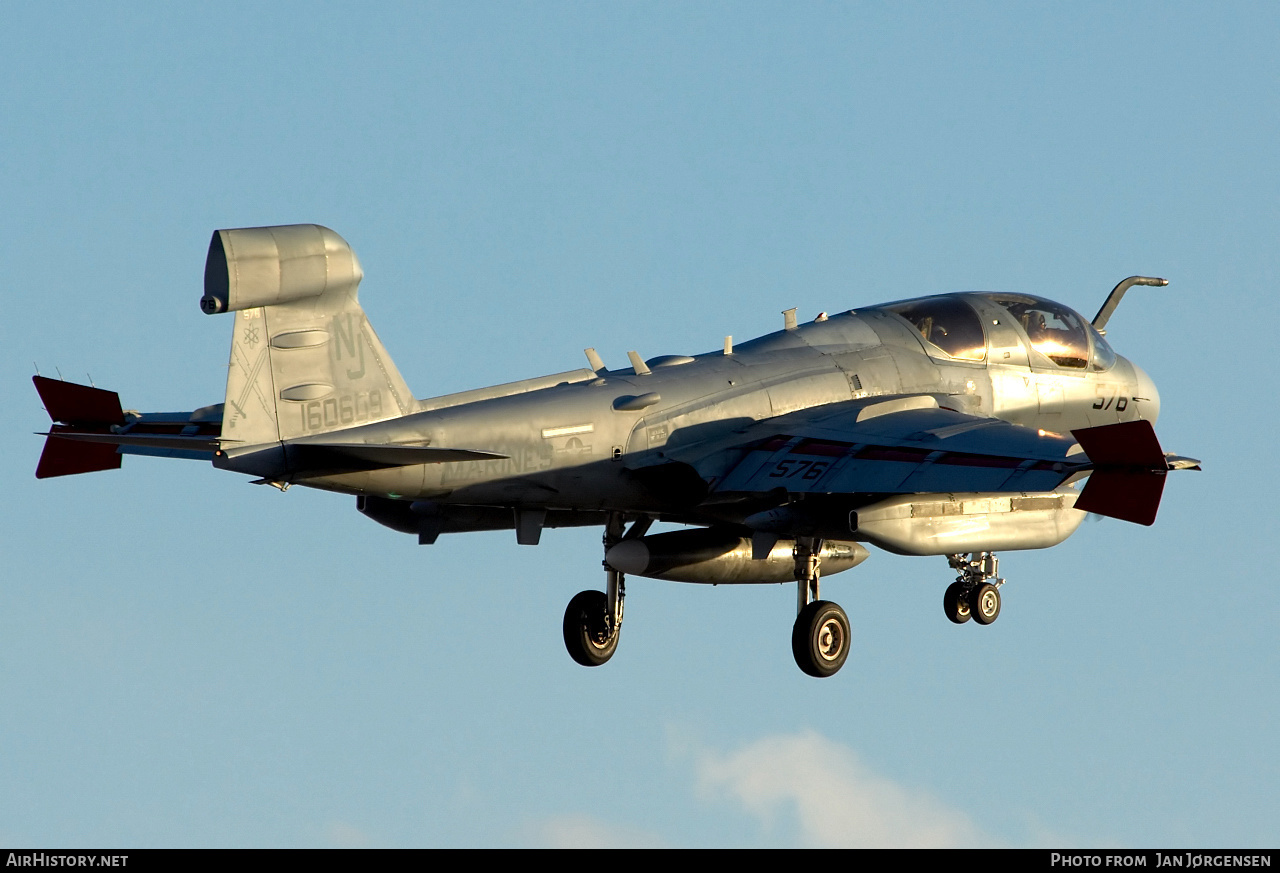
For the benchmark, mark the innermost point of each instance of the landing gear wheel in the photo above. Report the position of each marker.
(588, 633)
(955, 604)
(984, 603)
(820, 639)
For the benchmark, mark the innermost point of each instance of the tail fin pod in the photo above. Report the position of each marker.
(304, 358)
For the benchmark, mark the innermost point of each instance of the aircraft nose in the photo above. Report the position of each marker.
(1145, 394)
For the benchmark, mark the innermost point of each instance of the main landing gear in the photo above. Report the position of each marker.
(593, 619)
(820, 637)
(976, 592)
(591, 628)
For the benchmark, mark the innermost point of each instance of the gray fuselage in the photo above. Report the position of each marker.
(572, 440)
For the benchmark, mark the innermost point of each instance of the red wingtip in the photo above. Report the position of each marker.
(1128, 443)
(1129, 471)
(1129, 496)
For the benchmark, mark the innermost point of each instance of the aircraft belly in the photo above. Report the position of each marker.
(398, 480)
(395, 482)
(592, 487)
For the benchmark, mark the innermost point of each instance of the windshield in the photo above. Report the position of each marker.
(1103, 355)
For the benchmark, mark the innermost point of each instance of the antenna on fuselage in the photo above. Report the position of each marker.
(1117, 294)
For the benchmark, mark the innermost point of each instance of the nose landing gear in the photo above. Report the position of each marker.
(973, 594)
(955, 603)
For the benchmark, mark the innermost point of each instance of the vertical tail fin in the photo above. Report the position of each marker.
(304, 358)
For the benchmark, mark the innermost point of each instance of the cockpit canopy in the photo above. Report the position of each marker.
(1060, 334)
(1055, 331)
(947, 322)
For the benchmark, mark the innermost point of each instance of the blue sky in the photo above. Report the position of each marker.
(189, 660)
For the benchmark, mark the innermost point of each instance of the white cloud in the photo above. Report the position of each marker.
(835, 798)
(342, 835)
(585, 832)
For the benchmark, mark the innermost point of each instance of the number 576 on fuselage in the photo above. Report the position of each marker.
(953, 425)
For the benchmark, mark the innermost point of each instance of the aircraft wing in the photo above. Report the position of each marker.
(913, 444)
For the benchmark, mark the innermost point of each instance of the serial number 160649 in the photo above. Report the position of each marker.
(345, 409)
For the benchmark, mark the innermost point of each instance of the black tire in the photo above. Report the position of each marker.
(984, 603)
(820, 639)
(586, 629)
(955, 604)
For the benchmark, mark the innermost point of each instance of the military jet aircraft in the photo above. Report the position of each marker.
(954, 425)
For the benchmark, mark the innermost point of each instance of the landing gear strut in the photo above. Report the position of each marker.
(820, 637)
(593, 619)
(976, 592)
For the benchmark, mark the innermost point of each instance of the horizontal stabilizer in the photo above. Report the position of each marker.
(78, 404)
(92, 431)
(62, 457)
(181, 442)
